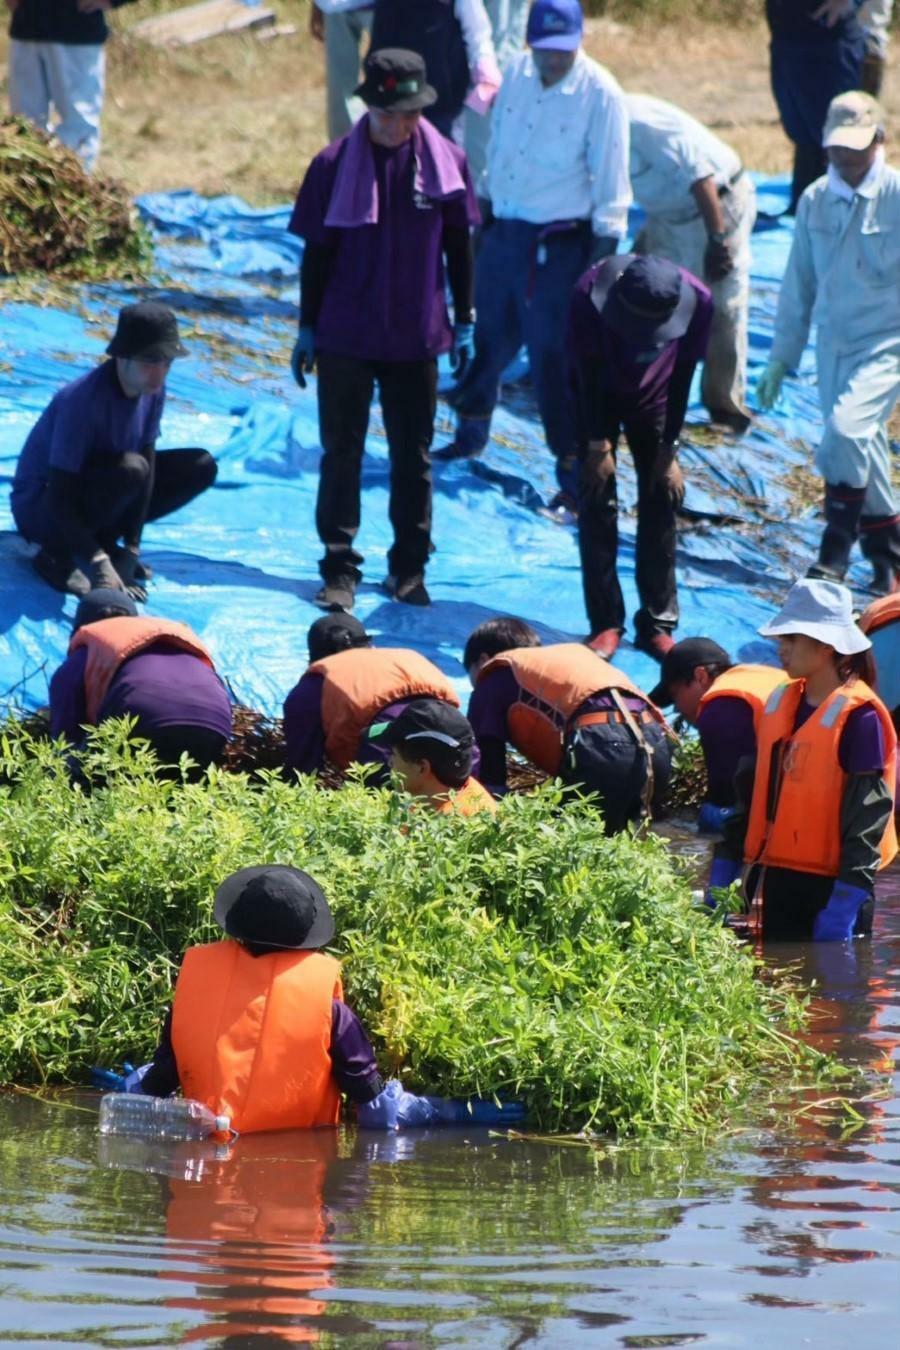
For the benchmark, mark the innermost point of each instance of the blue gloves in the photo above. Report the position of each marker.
(711, 819)
(723, 872)
(303, 357)
(462, 353)
(129, 1080)
(394, 1109)
(835, 922)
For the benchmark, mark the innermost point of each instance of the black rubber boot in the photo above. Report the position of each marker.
(843, 509)
(879, 539)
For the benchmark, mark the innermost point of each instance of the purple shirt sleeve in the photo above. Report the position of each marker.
(310, 208)
(304, 734)
(862, 742)
(727, 735)
(68, 707)
(353, 1059)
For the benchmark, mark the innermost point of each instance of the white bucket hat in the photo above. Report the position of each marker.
(822, 610)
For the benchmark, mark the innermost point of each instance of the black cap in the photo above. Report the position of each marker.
(645, 299)
(104, 602)
(273, 906)
(397, 79)
(680, 662)
(333, 633)
(146, 332)
(429, 728)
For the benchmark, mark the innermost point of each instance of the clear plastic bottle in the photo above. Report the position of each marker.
(144, 1117)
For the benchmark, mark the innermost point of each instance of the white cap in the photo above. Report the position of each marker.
(822, 610)
(853, 121)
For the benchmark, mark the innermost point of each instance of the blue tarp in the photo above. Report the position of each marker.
(239, 564)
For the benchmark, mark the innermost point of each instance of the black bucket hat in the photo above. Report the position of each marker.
(147, 332)
(274, 906)
(103, 602)
(646, 299)
(396, 79)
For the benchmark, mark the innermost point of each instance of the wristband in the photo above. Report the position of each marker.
(717, 236)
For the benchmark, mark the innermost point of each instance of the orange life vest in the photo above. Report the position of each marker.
(471, 798)
(752, 684)
(553, 684)
(251, 1035)
(884, 610)
(111, 641)
(795, 812)
(362, 681)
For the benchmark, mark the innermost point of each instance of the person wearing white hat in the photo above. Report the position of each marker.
(820, 819)
(843, 274)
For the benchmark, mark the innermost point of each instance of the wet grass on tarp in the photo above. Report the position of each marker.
(527, 954)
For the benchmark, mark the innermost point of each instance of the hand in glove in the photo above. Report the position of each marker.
(598, 468)
(718, 260)
(129, 1080)
(303, 357)
(768, 386)
(711, 819)
(723, 873)
(486, 81)
(462, 353)
(475, 1111)
(835, 922)
(394, 1108)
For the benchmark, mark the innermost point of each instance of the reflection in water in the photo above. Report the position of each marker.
(462, 1239)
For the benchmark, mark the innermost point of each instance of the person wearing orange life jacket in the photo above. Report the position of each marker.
(431, 744)
(724, 702)
(156, 670)
(571, 713)
(349, 685)
(819, 824)
(259, 1030)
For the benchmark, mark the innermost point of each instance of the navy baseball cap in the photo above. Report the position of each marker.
(680, 662)
(555, 25)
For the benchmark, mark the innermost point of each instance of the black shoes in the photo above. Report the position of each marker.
(410, 590)
(338, 592)
(61, 573)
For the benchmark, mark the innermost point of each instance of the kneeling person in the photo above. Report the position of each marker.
(432, 745)
(89, 477)
(571, 713)
(157, 670)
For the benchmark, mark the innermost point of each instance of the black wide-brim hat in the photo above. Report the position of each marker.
(274, 906)
(644, 299)
(146, 331)
(396, 79)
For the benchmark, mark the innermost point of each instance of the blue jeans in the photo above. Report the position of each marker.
(523, 283)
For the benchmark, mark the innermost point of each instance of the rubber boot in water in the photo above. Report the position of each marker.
(879, 539)
(843, 509)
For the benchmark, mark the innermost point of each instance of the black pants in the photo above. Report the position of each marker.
(119, 495)
(791, 901)
(408, 391)
(598, 541)
(607, 759)
(169, 743)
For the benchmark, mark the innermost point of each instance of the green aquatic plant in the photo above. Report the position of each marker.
(525, 953)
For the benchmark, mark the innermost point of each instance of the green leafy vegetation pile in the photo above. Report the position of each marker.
(57, 218)
(526, 954)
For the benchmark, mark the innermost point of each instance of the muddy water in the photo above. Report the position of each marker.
(461, 1239)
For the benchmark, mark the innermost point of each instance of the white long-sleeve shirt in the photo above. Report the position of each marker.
(670, 151)
(843, 272)
(560, 153)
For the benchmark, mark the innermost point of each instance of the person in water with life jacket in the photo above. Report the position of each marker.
(431, 753)
(569, 712)
(259, 1030)
(820, 820)
(348, 685)
(124, 664)
(724, 702)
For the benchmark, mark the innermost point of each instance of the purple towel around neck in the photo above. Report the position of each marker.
(354, 197)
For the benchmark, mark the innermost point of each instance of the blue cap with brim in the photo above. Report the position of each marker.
(555, 25)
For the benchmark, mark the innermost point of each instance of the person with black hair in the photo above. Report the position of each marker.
(123, 664)
(348, 685)
(432, 747)
(569, 712)
(724, 702)
(819, 823)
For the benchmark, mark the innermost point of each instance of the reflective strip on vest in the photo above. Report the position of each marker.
(360, 682)
(753, 685)
(805, 834)
(110, 642)
(251, 1035)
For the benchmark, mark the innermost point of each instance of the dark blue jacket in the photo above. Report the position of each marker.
(59, 21)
